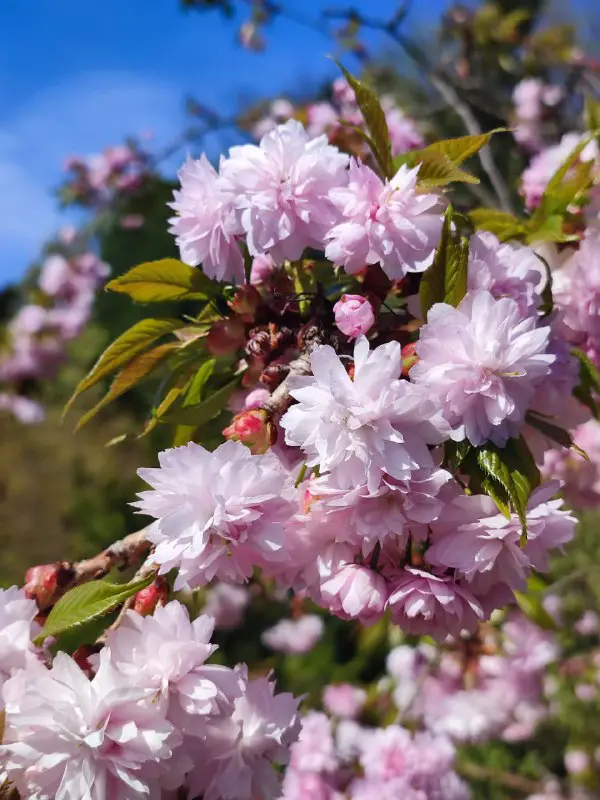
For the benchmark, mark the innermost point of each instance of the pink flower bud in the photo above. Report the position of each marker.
(353, 315)
(226, 336)
(262, 268)
(146, 600)
(41, 583)
(409, 358)
(254, 428)
(355, 592)
(344, 700)
(245, 303)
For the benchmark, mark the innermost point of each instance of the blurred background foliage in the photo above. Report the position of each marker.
(65, 495)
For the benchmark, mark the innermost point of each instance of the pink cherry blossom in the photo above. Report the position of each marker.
(280, 190)
(262, 268)
(217, 514)
(543, 166)
(579, 476)
(402, 129)
(506, 270)
(344, 700)
(576, 288)
(24, 409)
(363, 427)
(166, 652)
(294, 635)
(241, 753)
(354, 592)
(483, 360)
(70, 737)
(423, 603)
(226, 604)
(391, 224)
(353, 315)
(204, 224)
(17, 629)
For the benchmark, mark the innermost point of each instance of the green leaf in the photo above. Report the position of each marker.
(435, 169)
(446, 279)
(433, 281)
(375, 121)
(498, 494)
(501, 223)
(560, 193)
(514, 470)
(123, 350)
(455, 453)
(167, 279)
(461, 148)
(456, 272)
(589, 382)
(205, 411)
(591, 113)
(549, 429)
(440, 162)
(86, 633)
(195, 390)
(87, 602)
(531, 604)
(137, 369)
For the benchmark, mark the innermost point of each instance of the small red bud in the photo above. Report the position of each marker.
(245, 303)
(41, 583)
(226, 336)
(147, 600)
(409, 358)
(254, 428)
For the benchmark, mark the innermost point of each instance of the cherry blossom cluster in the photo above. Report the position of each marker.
(533, 100)
(372, 523)
(147, 715)
(96, 180)
(38, 333)
(339, 758)
(292, 192)
(545, 163)
(579, 474)
(333, 116)
(492, 686)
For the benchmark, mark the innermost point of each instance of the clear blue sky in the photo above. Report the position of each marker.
(78, 75)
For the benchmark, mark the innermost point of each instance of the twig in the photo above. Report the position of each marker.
(121, 555)
(279, 401)
(449, 93)
(480, 773)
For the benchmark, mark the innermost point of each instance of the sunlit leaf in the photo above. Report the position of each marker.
(167, 279)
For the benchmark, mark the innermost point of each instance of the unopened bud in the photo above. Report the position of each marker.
(254, 428)
(409, 358)
(226, 336)
(41, 583)
(245, 303)
(147, 600)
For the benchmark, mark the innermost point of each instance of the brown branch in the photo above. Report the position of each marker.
(479, 772)
(120, 555)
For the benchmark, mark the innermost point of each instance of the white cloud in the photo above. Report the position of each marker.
(79, 116)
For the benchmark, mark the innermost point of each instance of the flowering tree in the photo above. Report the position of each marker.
(377, 388)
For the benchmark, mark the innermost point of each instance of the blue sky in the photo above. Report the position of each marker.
(78, 75)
